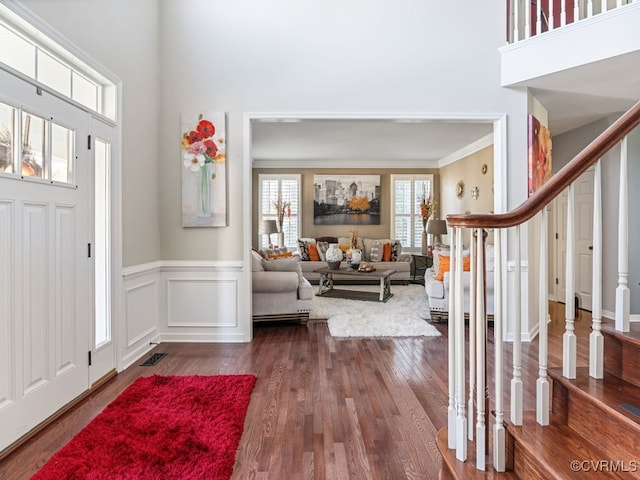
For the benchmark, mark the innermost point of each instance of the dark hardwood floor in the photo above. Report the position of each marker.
(322, 408)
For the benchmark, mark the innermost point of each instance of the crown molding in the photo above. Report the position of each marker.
(474, 147)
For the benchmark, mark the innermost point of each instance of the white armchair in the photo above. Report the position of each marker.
(438, 290)
(280, 292)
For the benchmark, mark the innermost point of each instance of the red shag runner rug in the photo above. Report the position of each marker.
(160, 427)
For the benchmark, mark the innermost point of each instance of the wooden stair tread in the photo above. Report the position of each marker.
(631, 337)
(466, 470)
(609, 393)
(553, 448)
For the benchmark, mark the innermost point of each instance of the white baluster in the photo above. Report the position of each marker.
(622, 292)
(563, 13)
(552, 15)
(538, 17)
(472, 335)
(618, 3)
(516, 381)
(527, 21)
(569, 337)
(542, 385)
(576, 11)
(603, 6)
(590, 9)
(481, 343)
(516, 21)
(451, 410)
(596, 340)
(499, 442)
(461, 420)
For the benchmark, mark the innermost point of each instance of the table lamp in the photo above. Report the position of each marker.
(437, 228)
(267, 227)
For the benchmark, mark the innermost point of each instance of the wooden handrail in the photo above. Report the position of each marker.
(558, 182)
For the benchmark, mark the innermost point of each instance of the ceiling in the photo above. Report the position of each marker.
(404, 142)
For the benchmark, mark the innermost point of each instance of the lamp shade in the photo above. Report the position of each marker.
(437, 227)
(267, 227)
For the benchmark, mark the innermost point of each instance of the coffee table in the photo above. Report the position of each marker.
(326, 287)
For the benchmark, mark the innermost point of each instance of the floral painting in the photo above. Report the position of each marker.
(539, 144)
(346, 199)
(204, 185)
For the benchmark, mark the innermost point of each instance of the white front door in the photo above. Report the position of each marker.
(45, 270)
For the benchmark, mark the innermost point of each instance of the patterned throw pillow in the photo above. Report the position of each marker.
(376, 252)
(396, 249)
(303, 246)
(322, 249)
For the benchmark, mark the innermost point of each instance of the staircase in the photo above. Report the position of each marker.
(586, 423)
(594, 429)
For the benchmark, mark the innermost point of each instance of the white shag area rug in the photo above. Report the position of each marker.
(403, 315)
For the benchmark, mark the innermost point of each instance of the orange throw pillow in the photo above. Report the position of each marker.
(386, 252)
(314, 256)
(466, 264)
(444, 267)
(279, 255)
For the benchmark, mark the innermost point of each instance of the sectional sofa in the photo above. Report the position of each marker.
(372, 252)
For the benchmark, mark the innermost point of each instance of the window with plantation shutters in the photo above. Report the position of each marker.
(406, 222)
(287, 189)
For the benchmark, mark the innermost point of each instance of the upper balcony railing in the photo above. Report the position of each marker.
(528, 18)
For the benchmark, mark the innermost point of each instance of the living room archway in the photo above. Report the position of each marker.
(254, 121)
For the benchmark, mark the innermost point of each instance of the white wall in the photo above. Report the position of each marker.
(122, 35)
(291, 56)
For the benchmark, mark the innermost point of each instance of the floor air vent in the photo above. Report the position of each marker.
(631, 408)
(153, 359)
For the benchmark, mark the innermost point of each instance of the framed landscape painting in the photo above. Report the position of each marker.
(346, 199)
(204, 180)
(539, 157)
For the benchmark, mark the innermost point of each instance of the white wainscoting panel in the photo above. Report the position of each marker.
(198, 302)
(139, 327)
(7, 292)
(183, 301)
(204, 302)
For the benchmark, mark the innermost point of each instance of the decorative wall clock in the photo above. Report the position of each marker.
(460, 189)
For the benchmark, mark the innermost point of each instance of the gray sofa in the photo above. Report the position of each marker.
(280, 291)
(401, 263)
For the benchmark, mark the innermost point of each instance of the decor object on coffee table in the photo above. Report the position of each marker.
(333, 256)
